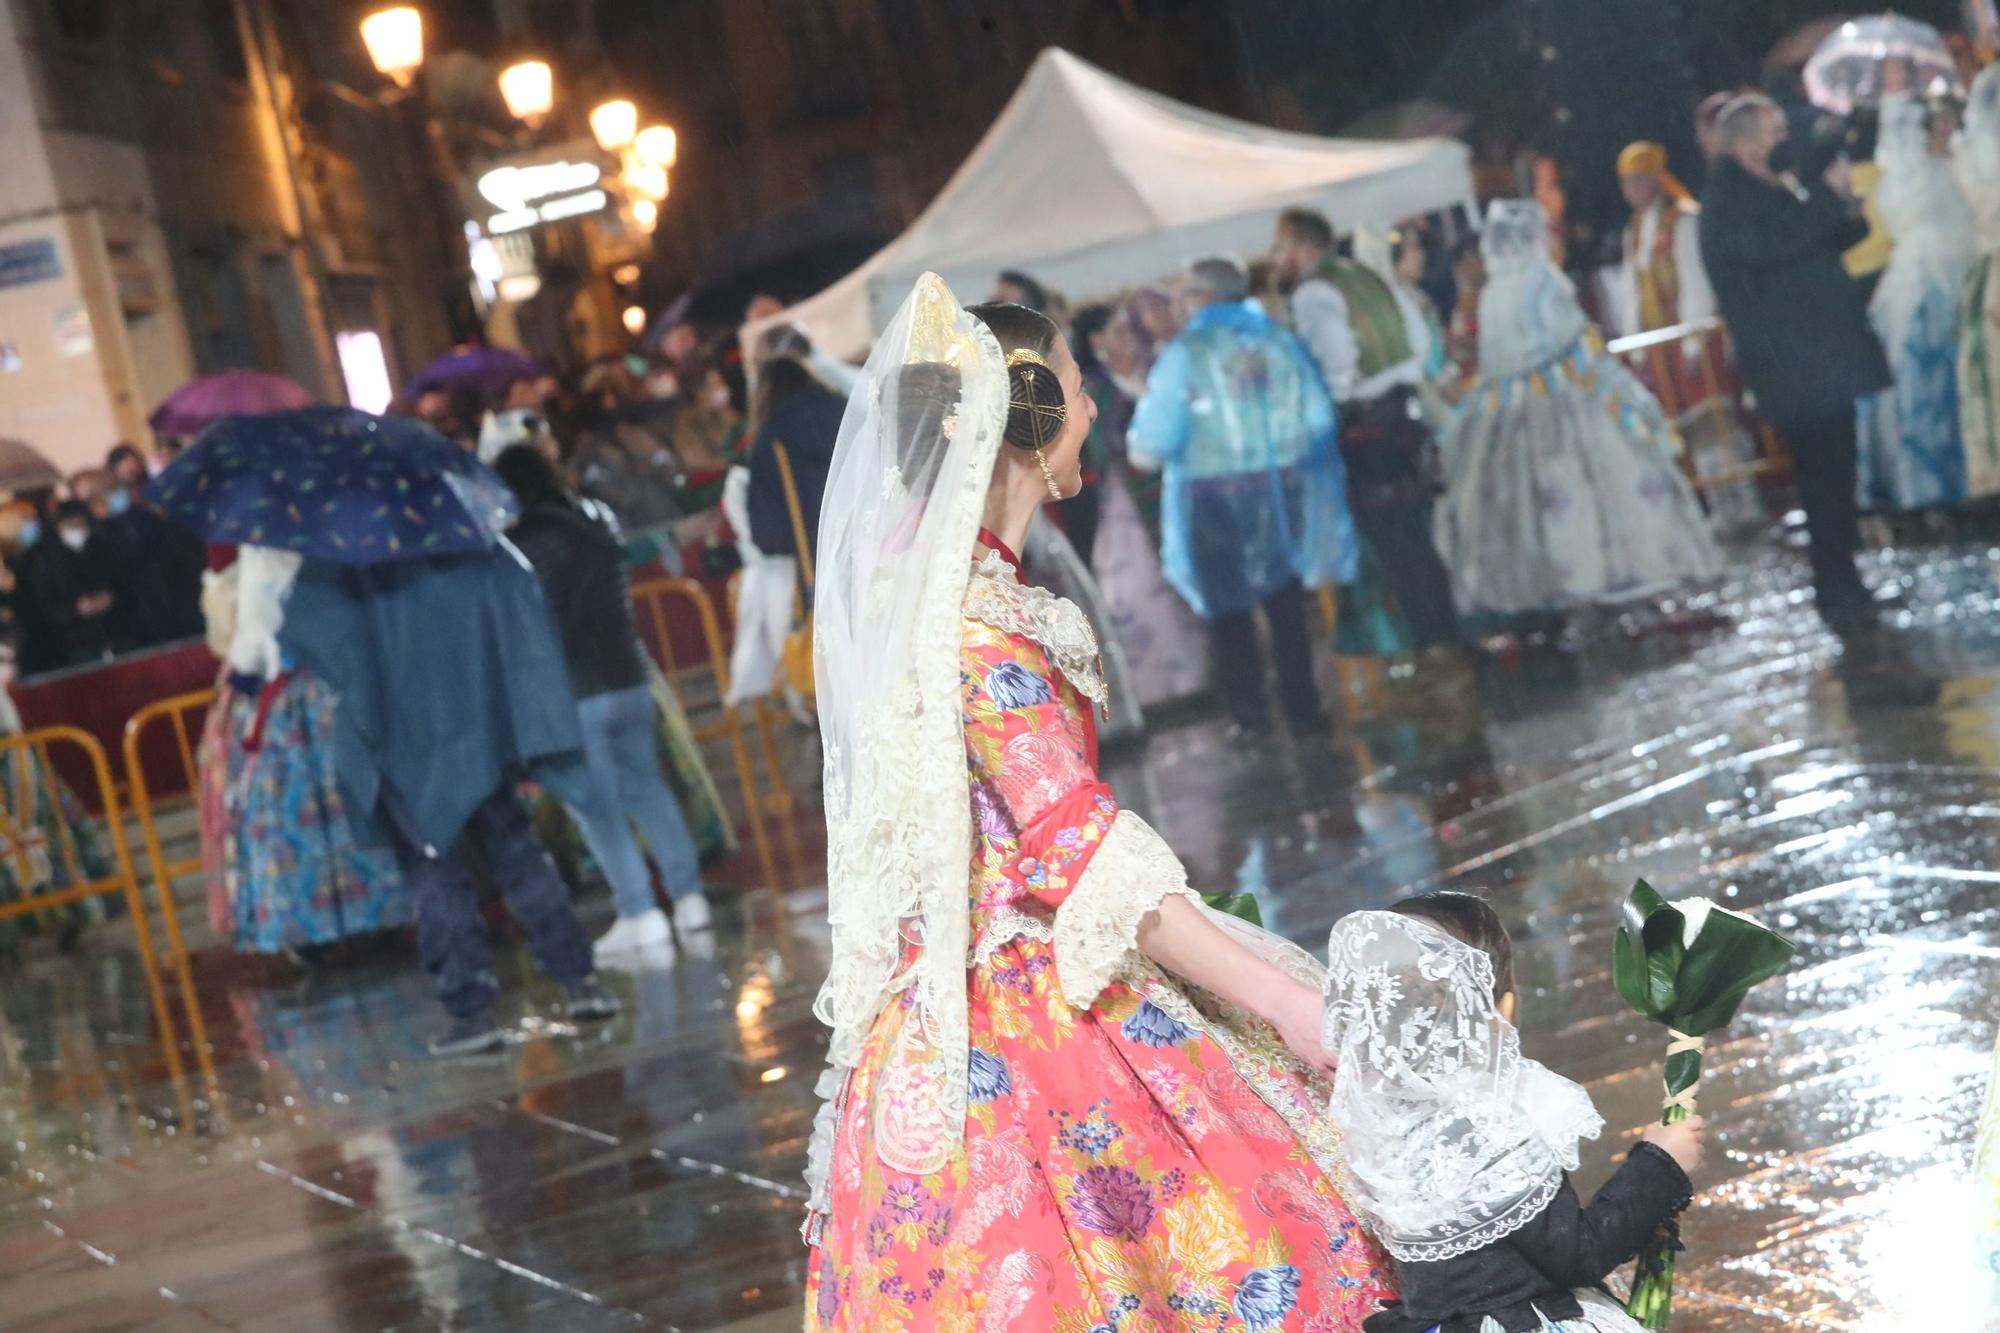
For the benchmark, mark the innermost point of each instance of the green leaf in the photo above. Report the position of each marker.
(1240, 905)
(1662, 940)
(1683, 1070)
(1643, 901)
(1732, 954)
(1628, 971)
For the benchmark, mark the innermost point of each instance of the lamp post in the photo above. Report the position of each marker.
(529, 89)
(395, 41)
(394, 36)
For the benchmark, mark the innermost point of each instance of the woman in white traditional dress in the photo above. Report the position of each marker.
(1033, 1121)
(1911, 455)
(1977, 154)
(1563, 487)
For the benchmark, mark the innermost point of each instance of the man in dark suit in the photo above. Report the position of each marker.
(1772, 241)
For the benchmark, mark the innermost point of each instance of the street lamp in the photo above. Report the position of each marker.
(656, 146)
(648, 182)
(614, 123)
(635, 320)
(529, 89)
(646, 213)
(395, 41)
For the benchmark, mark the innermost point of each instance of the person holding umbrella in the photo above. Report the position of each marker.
(435, 635)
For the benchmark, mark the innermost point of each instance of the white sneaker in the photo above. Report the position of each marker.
(691, 913)
(644, 933)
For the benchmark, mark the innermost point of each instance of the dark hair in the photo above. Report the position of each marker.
(1033, 294)
(75, 509)
(1471, 920)
(1036, 403)
(530, 475)
(119, 453)
(785, 378)
(1303, 224)
(1087, 324)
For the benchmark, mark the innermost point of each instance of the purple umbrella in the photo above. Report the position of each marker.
(199, 403)
(490, 369)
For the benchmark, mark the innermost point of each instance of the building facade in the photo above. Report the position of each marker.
(178, 206)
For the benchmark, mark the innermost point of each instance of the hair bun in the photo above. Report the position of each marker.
(1036, 405)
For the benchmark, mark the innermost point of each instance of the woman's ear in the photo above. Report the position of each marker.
(1507, 1005)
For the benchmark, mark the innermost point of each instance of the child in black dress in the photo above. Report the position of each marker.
(1459, 1148)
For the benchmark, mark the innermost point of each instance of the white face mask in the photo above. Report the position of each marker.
(74, 538)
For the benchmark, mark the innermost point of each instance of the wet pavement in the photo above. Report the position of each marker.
(646, 1173)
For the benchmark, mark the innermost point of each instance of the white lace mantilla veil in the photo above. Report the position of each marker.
(1528, 311)
(1976, 153)
(1454, 1139)
(904, 499)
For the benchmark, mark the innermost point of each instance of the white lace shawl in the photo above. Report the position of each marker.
(1454, 1139)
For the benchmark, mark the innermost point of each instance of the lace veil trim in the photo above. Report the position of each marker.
(996, 598)
(1454, 1139)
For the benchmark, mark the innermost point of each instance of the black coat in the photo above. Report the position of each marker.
(1538, 1267)
(54, 578)
(581, 564)
(158, 566)
(808, 425)
(1798, 321)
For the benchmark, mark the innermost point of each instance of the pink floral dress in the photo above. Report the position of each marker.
(1144, 1162)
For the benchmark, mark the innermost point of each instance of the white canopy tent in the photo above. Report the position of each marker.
(1092, 184)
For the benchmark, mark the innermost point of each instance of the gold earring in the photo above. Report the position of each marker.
(1055, 491)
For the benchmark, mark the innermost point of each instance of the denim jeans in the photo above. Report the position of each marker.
(451, 930)
(627, 788)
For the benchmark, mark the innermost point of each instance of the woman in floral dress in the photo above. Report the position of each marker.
(1062, 1095)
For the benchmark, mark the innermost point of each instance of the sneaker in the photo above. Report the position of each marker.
(635, 934)
(590, 1002)
(691, 913)
(473, 1035)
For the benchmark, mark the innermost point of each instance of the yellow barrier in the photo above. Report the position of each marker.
(652, 596)
(178, 710)
(122, 880)
(1656, 350)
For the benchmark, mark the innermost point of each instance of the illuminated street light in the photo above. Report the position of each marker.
(635, 320)
(649, 182)
(395, 41)
(614, 123)
(656, 146)
(646, 213)
(529, 89)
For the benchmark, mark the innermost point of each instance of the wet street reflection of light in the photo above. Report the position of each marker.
(646, 1172)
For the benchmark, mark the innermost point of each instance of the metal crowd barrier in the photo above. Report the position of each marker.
(652, 597)
(22, 843)
(1652, 356)
(184, 713)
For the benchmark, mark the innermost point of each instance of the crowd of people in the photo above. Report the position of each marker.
(90, 569)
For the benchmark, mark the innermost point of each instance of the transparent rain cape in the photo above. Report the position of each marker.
(1454, 1139)
(904, 498)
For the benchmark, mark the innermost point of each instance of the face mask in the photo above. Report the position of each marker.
(118, 502)
(74, 538)
(31, 532)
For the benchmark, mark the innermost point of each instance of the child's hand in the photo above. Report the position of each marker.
(1296, 1015)
(1682, 1142)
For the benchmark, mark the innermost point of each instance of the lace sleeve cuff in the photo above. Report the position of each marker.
(1097, 926)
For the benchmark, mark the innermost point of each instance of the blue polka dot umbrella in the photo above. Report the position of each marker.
(335, 483)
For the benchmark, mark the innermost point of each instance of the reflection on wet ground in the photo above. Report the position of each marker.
(646, 1175)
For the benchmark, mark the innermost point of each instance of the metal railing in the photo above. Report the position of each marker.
(179, 711)
(1652, 356)
(652, 597)
(36, 782)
